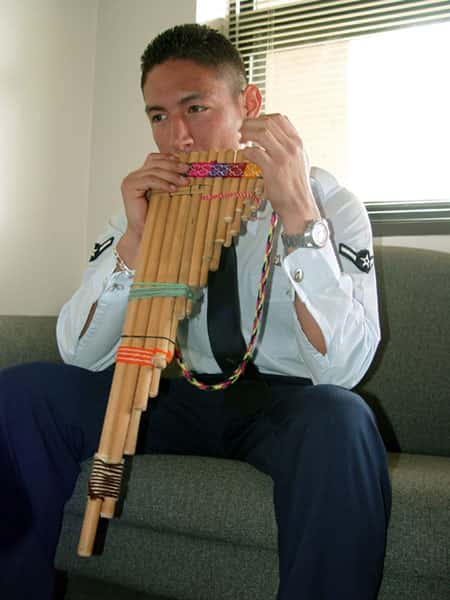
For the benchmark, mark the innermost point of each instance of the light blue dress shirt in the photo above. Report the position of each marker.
(341, 297)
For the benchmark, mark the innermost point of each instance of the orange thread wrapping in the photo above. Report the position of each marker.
(140, 356)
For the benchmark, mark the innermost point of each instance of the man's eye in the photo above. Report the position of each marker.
(196, 108)
(158, 118)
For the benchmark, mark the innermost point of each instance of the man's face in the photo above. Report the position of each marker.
(192, 108)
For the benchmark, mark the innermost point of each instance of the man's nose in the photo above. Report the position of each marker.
(181, 137)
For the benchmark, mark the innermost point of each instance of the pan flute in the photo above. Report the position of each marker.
(182, 241)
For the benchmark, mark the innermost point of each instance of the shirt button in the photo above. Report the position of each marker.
(297, 275)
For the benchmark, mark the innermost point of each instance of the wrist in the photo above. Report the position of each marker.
(294, 225)
(296, 219)
(121, 265)
(128, 248)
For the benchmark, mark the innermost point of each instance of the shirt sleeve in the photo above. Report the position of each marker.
(337, 284)
(100, 284)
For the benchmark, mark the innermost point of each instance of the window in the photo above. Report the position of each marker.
(366, 85)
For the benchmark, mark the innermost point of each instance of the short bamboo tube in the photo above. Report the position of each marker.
(200, 232)
(221, 224)
(211, 229)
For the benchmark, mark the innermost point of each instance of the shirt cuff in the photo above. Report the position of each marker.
(311, 270)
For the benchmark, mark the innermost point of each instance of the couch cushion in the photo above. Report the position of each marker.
(418, 539)
(177, 566)
(195, 495)
(194, 498)
(84, 588)
(191, 528)
(27, 339)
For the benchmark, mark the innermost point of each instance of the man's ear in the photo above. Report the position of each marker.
(252, 101)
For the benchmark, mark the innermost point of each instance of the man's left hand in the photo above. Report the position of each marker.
(281, 157)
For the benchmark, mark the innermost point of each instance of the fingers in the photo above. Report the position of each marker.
(278, 151)
(155, 158)
(275, 133)
(258, 156)
(159, 179)
(161, 172)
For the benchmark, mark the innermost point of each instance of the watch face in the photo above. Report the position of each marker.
(319, 233)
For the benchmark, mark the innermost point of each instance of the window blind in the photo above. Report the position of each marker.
(329, 45)
(258, 26)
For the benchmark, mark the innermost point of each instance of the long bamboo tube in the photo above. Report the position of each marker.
(182, 308)
(147, 376)
(119, 403)
(164, 234)
(114, 434)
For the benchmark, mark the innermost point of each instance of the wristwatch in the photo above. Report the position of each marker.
(316, 235)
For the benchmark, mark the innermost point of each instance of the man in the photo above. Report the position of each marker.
(317, 440)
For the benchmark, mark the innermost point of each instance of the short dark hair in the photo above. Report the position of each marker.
(198, 43)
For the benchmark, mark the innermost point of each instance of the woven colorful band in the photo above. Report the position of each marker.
(215, 169)
(142, 289)
(140, 356)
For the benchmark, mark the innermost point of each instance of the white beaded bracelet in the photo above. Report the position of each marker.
(122, 265)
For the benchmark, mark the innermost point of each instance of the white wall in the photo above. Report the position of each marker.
(71, 127)
(121, 132)
(47, 54)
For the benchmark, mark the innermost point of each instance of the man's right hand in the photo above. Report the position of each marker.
(160, 172)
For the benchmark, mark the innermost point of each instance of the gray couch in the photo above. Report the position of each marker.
(195, 528)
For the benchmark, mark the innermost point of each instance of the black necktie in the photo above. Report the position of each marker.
(250, 394)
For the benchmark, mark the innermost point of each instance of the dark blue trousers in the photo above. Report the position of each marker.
(320, 445)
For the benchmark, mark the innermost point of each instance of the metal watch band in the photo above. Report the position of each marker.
(306, 239)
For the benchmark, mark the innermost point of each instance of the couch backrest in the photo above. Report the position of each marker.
(27, 339)
(408, 385)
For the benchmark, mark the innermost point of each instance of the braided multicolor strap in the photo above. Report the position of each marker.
(256, 323)
(215, 169)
